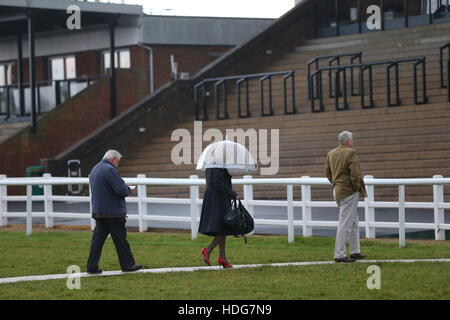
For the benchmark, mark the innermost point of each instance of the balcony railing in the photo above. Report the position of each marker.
(49, 94)
(220, 89)
(341, 87)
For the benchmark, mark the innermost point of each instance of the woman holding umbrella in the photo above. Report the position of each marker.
(219, 159)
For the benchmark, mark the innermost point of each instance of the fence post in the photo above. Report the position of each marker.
(29, 219)
(3, 204)
(369, 211)
(290, 212)
(248, 196)
(194, 194)
(90, 208)
(306, 210)
(48, 202)
(142, 206)
(438, 199)
(401, 216)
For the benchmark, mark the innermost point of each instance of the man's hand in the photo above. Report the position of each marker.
(133, 189)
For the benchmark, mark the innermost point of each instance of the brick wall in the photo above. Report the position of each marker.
(190, 59)
(70, 121)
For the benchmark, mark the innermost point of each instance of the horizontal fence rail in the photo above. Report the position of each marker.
(305, 184)
(240, 82)
(316, 83)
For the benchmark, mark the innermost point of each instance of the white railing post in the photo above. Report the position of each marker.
(194, 194)
(29, 219)
(290, 213)
(306, 209)
(438, 199)
(248, 196)
(401, 216)
(142, 206)
(90, 208)
(48, 202)
(369, 210)
(3, 203)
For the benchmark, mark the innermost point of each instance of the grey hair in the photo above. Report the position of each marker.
(345, 136)
(111, 154)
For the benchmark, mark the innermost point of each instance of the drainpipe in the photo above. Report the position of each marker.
(150, 62)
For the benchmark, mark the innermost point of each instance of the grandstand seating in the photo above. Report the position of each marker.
(393, 142)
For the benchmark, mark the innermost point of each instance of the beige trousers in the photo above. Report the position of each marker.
(348, 225)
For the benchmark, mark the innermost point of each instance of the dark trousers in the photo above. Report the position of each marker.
(115, 227)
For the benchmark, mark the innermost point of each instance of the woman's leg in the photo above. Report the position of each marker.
(215, 241)
(222, 247)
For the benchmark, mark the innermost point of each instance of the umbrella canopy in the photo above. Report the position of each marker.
(227, 155)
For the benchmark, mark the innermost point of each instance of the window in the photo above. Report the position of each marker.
(121, 59)
(63, 68)
(5, 74)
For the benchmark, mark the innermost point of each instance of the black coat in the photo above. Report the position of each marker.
(216, 202)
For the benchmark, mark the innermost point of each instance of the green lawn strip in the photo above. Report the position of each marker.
(52, 252)
(337, 281)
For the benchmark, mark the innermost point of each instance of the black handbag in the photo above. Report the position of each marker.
(239, 221)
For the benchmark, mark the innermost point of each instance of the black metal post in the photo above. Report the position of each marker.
(320, 92)
(397, 84)
(315, 19)
(32, 72)
(8, 99)
(196, 102)
(430, 15)
(112, 68)
(205, 104)
(359, 17)
(20, 75)
(405, 7)
(448, 79)
(372, 104)
(416, 100)
(336, 7)
(424, 83)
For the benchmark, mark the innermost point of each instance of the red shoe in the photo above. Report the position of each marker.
(204, 252)
(224, 263)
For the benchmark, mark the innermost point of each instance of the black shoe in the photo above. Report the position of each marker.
(98, 271)
(357, 256)
(136, 267)
(345, 260)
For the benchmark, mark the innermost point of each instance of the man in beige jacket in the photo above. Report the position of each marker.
(343, 171)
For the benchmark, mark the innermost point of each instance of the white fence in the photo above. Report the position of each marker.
(306, 204)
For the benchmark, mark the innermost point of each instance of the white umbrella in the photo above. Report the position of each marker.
(227, 155)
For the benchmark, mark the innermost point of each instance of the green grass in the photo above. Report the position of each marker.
(52, 252)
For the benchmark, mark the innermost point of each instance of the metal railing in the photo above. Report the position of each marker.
(221, 93)
(316, 78)
(331, 59)
(305, 185)
(442, 68)
(49, 94)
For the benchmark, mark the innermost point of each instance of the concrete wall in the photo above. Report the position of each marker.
(200, 30)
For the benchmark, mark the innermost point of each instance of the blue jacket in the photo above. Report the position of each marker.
(108, 190)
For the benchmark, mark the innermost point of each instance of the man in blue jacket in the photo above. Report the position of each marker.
(108, 192)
